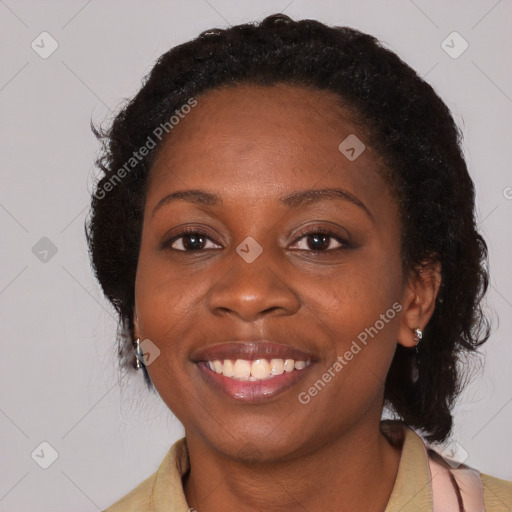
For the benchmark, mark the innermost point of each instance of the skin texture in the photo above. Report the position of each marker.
(251, 145)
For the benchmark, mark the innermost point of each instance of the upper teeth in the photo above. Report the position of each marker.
(259, 369)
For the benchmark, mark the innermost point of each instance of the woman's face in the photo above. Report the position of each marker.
(292, 253)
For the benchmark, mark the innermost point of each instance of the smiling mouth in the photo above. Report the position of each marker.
(257, 369)
(252, 371)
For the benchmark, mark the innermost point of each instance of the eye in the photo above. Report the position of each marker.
(321, 241)
(191, 240)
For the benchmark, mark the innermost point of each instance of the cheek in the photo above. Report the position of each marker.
(357, 297)
(166, 306)
(164, 296)
(361, 326)
(359, 310)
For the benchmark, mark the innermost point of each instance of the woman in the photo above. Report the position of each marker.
(286, 227)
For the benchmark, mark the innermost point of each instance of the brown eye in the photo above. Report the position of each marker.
(320, 241)
(191, 241)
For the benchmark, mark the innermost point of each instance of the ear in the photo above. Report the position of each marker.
(419, 300)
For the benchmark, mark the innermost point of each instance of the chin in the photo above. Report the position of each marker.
(259, 445)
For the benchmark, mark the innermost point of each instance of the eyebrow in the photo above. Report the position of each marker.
(299, 199)
(191, 196)
(294, 200)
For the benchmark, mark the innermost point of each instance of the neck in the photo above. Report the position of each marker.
(355, 471)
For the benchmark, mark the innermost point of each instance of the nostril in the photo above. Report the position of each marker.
(271, 309)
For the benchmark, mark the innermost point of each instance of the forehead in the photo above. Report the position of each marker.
(278, 136)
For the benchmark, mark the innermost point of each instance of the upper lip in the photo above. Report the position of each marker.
(250, 350)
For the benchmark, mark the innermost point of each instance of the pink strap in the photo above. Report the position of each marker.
(444, 495)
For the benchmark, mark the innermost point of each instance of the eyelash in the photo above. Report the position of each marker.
(315, 231)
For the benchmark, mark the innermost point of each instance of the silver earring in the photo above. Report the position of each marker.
(138, 355)
(418, 335)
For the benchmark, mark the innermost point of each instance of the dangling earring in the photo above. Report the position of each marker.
(418, 335)
(138, 354)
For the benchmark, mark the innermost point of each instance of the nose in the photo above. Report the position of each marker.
(251, 291)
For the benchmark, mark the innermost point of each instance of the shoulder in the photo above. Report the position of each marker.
(472, 485)
(475, 489)
(136, 500)
(163, 490)
(427, 476)
(497, 492)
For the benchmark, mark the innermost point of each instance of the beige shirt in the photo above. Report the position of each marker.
(412, 492)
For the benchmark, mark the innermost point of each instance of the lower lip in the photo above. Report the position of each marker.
(252, 391)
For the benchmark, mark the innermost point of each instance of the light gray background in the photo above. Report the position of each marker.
(59, 377)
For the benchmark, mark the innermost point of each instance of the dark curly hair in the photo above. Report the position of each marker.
(406, 122)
